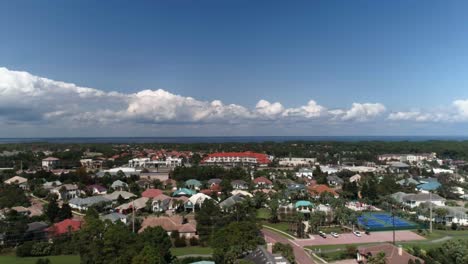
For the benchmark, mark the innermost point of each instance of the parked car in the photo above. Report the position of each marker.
(322, 234)
(357, 233)
(333, 234)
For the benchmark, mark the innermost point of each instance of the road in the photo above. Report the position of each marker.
(300, 254)
(350, 238)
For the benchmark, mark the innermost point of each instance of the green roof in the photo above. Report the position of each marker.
(183, 191)
(193, 182)
(303, 203)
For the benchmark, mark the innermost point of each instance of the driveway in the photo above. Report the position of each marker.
(301, 256)
(350, 238)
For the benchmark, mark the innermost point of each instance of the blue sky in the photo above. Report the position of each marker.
(410, 57)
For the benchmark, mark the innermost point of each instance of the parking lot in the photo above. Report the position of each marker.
(350, 238)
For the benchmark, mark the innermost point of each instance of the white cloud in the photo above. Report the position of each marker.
(311, 110)
(25, 98)
(267, 109)
(462, 108)
(410, 116)
(359, 112)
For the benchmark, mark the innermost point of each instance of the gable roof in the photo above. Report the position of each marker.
(118, 183)
(16, 180)
(183, 191)
(262, 180)
(392, 255)
(321, 188)
(115, 195)
(151, 193)
(64, 226)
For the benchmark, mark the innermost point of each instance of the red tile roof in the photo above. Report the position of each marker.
(321, 188)
(392, 256)
(64, 226)
(262, 180)
(151, 193)
(261, 158)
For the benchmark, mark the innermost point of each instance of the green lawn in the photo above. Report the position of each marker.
(32, 260)
(191, 251)
(263, 213)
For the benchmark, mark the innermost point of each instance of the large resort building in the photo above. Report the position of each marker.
(237, 158)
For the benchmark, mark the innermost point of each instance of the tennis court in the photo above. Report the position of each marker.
(384, 221)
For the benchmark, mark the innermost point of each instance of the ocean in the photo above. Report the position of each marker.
(243, 139)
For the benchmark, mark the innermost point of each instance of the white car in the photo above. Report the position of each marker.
(333, 234)
(357, 233)
(322, 234)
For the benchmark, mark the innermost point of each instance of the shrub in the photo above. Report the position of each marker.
(25, 249)
(43, 261)
(41, 249)
(180, 242)
(194, 241)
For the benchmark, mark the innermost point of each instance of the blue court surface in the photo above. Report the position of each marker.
(378, 221)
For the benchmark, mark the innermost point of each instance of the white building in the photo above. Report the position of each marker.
(305, 173)
(148, 163)
(408, 157)
(50, 163)
(293, 162)
(414, 200)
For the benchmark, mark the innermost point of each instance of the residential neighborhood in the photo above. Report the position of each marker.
(301, 208)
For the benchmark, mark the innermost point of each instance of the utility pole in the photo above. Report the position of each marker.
(430, 211)
(393, 221)
(133, 216)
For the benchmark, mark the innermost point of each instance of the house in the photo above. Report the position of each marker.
(186, 228)
(36, 231)
(214, 181)
(196, 200)
(428, 186)
(119, 185)
(115, 195)
(50, 185)
(19, 181)
(193, 184)
(96, 189)
(136, 205)
(153, 176)
(355, 178)
(183, 192)
(115, 217)
(393, 254)
(317, 190)
(66, 191)
(50, 163)
(303, 206)
(408, 181)
(398, 167)
(334, 180)
(231, 201)
(455, 215)
(414, 200)
(239, 185)
(242, 193)
(305, 173)
(170, 183)
(85, 203)
(262, 183)
(64, 227)
(151, 193)
(162, 203)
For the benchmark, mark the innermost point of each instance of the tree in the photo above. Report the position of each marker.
(52, 211)
(377, 259)
(285, 250)
(230, 242)
(273, 206)
(65, 212)
(157, 238)
(148, 255)
(209, 218)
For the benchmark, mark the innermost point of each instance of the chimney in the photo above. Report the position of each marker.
(400, 250)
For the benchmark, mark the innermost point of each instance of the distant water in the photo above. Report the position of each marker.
(246, 139)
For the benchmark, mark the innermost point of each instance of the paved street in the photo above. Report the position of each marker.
(349, 238)
(301, 256)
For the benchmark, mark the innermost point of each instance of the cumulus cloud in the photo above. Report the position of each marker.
(267, 109)
(28, 98)
(359, 112)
